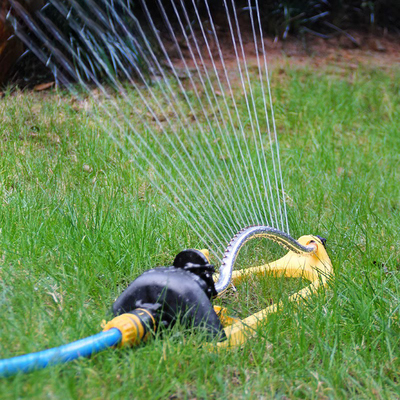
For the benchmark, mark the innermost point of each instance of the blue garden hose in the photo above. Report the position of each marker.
(81, 348)
(124, 330)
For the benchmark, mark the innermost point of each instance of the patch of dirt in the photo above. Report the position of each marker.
(345, 51)
(349, 48)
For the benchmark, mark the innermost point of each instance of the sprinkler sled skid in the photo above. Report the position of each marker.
(314, 265)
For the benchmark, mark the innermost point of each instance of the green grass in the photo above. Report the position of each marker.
(72, 237)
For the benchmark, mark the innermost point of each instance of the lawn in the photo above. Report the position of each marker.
(78, 222)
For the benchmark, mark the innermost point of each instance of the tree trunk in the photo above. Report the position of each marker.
(11, 48)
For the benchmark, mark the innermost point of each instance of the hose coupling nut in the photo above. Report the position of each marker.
(134, 326)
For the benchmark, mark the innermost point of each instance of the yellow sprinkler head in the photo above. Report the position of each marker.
(188, 287)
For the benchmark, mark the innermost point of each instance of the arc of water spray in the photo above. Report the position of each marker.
(122, 91)
(198, 226)
(240, 200)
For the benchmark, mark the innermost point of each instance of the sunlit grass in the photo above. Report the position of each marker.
(78, 222)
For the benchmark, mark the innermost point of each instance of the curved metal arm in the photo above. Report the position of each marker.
(251, 232)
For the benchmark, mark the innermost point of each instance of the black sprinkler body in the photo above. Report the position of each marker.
(182, 291)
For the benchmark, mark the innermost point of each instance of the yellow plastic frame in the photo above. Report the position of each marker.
(315, 267)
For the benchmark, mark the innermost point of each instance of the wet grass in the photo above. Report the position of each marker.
(78, 222)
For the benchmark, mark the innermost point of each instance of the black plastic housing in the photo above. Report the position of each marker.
(182, 291)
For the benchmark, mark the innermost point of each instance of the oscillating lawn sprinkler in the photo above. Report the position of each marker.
(184, 291)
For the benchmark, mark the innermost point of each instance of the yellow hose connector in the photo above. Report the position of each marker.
(135, 326)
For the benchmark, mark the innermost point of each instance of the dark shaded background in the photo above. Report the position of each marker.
(281, 20)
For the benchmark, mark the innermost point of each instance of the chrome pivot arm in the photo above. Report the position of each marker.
(244, 235)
